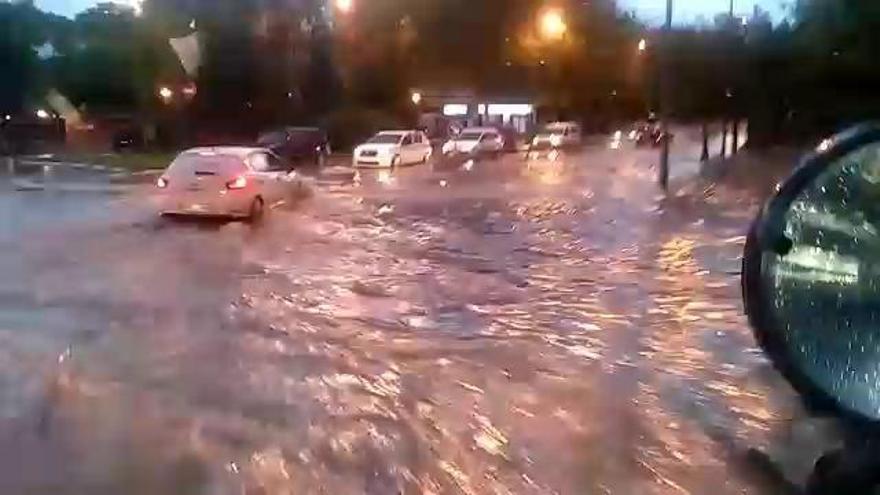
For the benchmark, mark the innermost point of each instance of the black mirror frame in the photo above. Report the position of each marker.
(765, 235)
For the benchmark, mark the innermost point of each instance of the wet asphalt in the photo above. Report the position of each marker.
(511, 325)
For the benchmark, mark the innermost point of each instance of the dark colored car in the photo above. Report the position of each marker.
(130, 139)
(511, 138)
(298, 144)
(649, 134)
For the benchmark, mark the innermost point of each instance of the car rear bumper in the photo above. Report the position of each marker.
(229, 204)
(371, 162)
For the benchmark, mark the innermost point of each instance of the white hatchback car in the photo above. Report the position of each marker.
(559, 135)
(230, 181)
(475, 140)
(393, 148)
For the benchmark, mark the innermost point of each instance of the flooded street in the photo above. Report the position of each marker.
(504, 326)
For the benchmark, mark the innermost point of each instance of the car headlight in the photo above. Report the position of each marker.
(447, 148)
(632, 135)
(555, 140)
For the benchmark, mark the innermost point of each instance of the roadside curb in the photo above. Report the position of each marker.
(74, 165)
(118, 171)
(25, 185)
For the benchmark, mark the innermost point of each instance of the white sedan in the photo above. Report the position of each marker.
(558, 135)
(393, 148)
(230, 181)
(475, 140)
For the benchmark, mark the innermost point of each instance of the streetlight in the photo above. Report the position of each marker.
(553, 25)
(42, 114)
(643, 44)
(344, 6)
(416, 97)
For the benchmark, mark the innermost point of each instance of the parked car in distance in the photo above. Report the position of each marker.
(392, 149)
(239, 182)
(558, 135)
(298, 144)
(128, 139)
(475, 140)
(511, 138)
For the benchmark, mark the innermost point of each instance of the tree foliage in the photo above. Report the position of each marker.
(266, 61)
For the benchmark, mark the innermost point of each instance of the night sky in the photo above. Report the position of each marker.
(650, 10)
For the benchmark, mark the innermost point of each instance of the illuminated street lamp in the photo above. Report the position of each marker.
(643, 44)
(42, 114)
(344, 6)
(416, 97)
(552, 24)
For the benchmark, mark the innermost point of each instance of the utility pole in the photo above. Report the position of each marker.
(663, 52)
(731, 104)
(735, 145)
(724, 139)
(704, 156)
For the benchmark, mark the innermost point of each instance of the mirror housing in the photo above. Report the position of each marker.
(805, 315)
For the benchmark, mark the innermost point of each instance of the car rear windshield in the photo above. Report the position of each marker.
(553, 129)
(469, 136)
(305, 136)
(272, 137)
(188, 164)
(385, 139)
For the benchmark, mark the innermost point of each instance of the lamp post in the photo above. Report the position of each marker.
(663, 171)
(552, 30)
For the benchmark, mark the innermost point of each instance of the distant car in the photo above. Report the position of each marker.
(240, 182)
(510, 136)
(558, 135)
(298, 144)
(616, 140)
(392, 149)
(475, 140)
(131, 139)
(649, 134)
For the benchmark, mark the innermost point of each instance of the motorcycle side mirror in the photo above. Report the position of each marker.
(811, 276)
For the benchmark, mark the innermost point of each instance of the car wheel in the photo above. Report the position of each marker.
(257, 210)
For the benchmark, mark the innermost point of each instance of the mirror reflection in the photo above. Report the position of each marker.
(824, 281)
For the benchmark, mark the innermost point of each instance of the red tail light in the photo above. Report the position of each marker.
(162, 183)
(239, 182)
